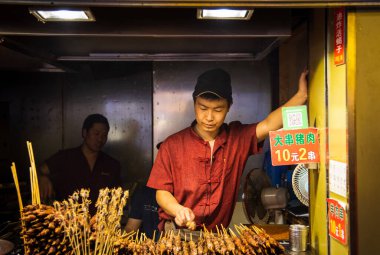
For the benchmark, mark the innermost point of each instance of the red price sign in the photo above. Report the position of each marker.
(339, 28)
(337, 220)
(289, 147)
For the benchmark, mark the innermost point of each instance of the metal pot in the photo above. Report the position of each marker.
(5, 246)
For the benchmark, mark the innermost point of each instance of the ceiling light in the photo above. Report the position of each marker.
(46, 15)
(224, 14)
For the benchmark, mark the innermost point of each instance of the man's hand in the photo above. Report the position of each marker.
(44, 183)
(302, 84)
(133, 225)
(46, 187)
(185, 217)
(191, 225)
(274, 120)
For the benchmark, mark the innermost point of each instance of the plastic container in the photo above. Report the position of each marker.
(298, 235)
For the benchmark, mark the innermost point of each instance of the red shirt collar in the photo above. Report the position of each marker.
(220, 139)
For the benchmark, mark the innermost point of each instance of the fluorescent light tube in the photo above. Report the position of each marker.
(46, 15)
(224, 14)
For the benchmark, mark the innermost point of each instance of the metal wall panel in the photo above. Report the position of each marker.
(49, 110)
(125, 98)
(34, 114)
(174, 84)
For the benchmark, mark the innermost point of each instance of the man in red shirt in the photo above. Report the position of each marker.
(197, 170)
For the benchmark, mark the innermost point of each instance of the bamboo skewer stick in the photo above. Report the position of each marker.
(159, 239)
(36, 199)
(217, 230)
(242, 226)
(32, 185)
(15, 179)
(224, 230)
(232, 232)
(237, 229)
(19, 198)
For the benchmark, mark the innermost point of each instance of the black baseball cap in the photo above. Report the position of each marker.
(215, 81)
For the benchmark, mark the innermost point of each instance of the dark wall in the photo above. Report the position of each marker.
(34, 113)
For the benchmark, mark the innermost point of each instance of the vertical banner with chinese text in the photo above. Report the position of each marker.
(290, 147)
(339, 36)
(337, 220)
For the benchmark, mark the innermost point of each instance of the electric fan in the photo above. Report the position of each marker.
(300, 183)
(275, 200)
(255, 182)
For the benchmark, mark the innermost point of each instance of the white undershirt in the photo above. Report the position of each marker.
(212, 148)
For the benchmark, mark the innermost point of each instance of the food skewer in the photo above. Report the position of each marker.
(192, 245)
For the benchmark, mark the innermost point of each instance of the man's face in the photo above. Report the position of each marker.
(96, 137)
(210, 114)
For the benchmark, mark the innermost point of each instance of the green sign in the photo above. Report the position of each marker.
(295, 117)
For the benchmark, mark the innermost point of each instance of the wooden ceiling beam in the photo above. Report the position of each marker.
(33, 53)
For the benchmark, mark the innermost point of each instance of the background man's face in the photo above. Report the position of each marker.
(210, 114)
(96, 137)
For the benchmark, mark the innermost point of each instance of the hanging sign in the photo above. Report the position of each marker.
(337, 220)
(339, 36)
(295, 117)
(289, 147)
(338, 177)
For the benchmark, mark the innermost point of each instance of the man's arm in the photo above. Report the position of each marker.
(183, 216)
(133, 225)
(274, 120)
(45, 184)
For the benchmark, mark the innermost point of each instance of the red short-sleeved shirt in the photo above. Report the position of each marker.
(183, 167)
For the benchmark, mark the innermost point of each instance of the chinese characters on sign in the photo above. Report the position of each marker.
(339, 28)
(337, 220)
(289, 147)
(338, 177)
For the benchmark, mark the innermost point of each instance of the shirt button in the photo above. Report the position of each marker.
(209, 181)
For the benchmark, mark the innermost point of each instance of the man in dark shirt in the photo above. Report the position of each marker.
(143, 212)
(85, 166)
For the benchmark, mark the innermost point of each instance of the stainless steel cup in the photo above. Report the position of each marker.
(298, 237)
